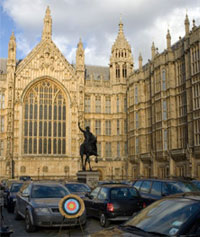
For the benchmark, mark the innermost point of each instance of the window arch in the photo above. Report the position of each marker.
(23, 169)
(117, 71)
(44, 119)
(164, 79)
(124, 71)
(45, 169)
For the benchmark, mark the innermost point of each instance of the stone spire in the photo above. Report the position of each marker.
(80, 57)
(153, 51)
(168, 37)
(140, 61)
(47, 28)
(12, 49)
(187, 25)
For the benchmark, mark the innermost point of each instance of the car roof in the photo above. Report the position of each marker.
(188, 195)
(164, 180)
(114, 185)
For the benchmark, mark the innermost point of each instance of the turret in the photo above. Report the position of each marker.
(187, 25)
(12, 50)
(168, 37)
(80, 57)
(47, 28)
(153, 51)
(121, 60)
(140, 62)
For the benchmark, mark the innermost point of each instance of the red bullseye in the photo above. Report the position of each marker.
(71, 206)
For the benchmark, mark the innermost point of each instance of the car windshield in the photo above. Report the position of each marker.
(15, 187)
(75, 188)
(165, 216)
(48, 191)
(123, 193)
(180, 187)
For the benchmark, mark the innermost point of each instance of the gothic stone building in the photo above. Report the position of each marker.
(147, 121)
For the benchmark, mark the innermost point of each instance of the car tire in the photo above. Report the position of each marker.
(29, 227)
(104, 222)
(17, 215)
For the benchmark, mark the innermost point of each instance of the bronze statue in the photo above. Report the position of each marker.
(88, 147)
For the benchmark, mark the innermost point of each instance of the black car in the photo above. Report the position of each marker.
(11, 195)
(79, 189)
(175, 215)
(38, 203)
(155, 189)
(113, 202)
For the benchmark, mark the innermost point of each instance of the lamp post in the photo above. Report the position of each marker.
(38, 173)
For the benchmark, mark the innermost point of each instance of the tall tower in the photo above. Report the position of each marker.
(121, 60)
(80, 60)
(187, 25)
(11, 67)
(47, 28)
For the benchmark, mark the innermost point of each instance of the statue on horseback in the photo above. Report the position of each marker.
(88, 147)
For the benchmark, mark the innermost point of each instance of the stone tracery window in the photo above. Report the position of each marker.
(44, 120)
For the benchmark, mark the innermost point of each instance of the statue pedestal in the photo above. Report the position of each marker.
(91, 178)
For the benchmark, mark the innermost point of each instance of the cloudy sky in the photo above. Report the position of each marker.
(96, 22)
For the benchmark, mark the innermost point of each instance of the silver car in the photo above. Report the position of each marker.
(38, 203)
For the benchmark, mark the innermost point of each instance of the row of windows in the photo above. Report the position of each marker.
(195, 59)
(197, 132)
(108, 149)
(1, 148)
(196, 96)
(2, 125)
(47, 112)
(119, 71)
(44, 129)
(108, 126)
(2, 100)
(44, 146)
(99, 106)
(45, 169)
(121, 53)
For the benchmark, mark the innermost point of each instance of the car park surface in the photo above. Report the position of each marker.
(155, 189)
(37, 202)
(113, 202)
(175, 215)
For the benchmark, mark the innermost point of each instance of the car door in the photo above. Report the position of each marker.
(100, 203)
(24, 199)
(155, 193)
(89, 201)
(145, 191)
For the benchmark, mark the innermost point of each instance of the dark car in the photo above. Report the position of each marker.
(79, 189)
(175, 215)
(113, 202)
(11, 195)
(38, 203)
(155, 189)
(196, 182)
(25, 178)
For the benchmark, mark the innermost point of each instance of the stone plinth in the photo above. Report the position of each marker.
(91, 178)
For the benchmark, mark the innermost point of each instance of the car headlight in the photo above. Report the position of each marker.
(42, 210)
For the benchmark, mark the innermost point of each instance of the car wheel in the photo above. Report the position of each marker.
(17, 215)
(29, 227)
(104, 222)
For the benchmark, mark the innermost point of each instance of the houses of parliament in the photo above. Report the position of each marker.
(147, 120)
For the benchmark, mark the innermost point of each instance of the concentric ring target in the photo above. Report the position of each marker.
(71, 206)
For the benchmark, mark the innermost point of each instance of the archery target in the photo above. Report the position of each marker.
(71, 206)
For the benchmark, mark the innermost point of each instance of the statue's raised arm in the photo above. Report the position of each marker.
(80, 127)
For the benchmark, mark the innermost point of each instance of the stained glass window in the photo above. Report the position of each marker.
(44, 124)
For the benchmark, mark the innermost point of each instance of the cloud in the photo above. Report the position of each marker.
(96, 22)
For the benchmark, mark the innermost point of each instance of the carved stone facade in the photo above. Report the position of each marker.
(147, 121)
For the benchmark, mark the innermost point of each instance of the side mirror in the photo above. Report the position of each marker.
(89, 195)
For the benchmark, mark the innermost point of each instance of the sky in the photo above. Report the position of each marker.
(96, 23)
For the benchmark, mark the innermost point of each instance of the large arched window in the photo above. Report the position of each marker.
(44, 120)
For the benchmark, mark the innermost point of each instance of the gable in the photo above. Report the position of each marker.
(46, 59)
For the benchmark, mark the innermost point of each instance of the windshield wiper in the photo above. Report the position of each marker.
(132, 228)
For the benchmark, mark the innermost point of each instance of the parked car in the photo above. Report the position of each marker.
(10, 199)
(196, 182)
(38, 203)
(155, 189)
(6, 187)
(79, 189)
(113, 202)
(25, 178)
(175, 215)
